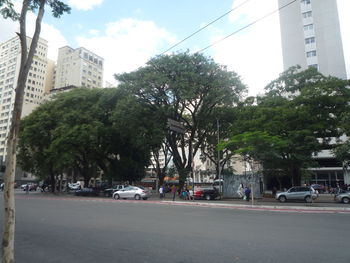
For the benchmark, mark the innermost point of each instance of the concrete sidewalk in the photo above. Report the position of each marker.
(324, 202)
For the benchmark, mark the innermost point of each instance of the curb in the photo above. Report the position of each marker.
(266, 207)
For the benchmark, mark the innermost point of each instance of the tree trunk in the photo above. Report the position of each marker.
(9, 178)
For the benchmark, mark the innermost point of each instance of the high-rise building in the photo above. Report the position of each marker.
(10, 59)
(78, 67)
(311, 37)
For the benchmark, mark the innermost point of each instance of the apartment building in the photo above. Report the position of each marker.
(78, 67)
(10, 58)
(311, 37)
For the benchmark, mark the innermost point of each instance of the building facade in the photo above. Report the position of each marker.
(311, 37)
(310, 34)
(78, 67)
(10, 59)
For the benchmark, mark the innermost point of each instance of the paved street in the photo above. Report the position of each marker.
(51, 229)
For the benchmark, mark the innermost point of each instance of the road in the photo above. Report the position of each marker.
(106, 230)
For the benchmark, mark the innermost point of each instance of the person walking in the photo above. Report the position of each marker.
(173, 191)
(161, 192)
(240, 190)
(247, 192)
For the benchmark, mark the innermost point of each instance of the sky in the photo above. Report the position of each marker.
(127, 33)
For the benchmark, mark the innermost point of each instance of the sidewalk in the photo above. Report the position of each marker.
(324, 203)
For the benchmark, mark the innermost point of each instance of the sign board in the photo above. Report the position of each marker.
(176, 126)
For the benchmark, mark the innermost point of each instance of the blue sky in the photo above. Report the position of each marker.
(127, 33)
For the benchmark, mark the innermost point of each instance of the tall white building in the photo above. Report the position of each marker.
(10, 59)
(311, 37)
(78, 67)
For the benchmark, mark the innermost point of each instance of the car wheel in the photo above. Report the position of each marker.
(207, 197)
(282, 199)
(137, 197)
(116, 197)
(345, 200)
(307, 199)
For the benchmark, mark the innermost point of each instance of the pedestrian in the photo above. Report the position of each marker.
(161, 192)
(27, 188)
(247, 192)
(240, 191)
(274, 191)
(173, 191)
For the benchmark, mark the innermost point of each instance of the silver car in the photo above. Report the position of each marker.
(297, 193)
(343, 197)
(134, 192)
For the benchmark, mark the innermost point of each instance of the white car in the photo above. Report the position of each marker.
(134, 192)
(74, 186)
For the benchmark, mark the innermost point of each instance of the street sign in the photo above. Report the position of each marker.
(176, 126)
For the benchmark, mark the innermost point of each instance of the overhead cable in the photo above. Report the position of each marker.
(212, 22)
(250, 24)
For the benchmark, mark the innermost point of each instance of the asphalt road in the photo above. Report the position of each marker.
(105, 230)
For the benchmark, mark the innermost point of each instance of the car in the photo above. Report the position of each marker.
(343, 197)
(87, 192)
(109, 191)
(301, 193)
(206, 193)
(74, 186)
(134, 192)
(31, 187)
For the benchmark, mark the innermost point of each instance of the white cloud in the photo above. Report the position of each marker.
(255, 53)
(93, 32)
(84, 4)
(127, 45)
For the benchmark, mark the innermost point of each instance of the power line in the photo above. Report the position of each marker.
(212, 22)
(252, 23)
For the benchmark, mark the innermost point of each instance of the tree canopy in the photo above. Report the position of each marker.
(88, 129)
(186, 88)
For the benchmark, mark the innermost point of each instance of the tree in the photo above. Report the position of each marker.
(89, 130)
(7, 11)
(303, 109)
(185, 88)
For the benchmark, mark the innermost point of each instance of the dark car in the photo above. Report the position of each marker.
(319, 188)
(206, 193)
(87, 192)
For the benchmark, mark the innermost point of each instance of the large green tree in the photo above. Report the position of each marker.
(303, 109)
(185, 88)
(86, 130)
(7, 11)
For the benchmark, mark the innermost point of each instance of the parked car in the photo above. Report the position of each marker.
(343, 197)
(31, 187)
(2, 185)
(109, 191)
(87, 192)
(297, 193)
(206, 193)
(74, 186)
(319, 187)
(135, 192)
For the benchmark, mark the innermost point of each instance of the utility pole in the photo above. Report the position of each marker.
(219, 170)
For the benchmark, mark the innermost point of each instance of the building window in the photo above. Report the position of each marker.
(306, 2)
(309, 40)
(308, 27)
(311, 54)
(313, 66)
(307, 14)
